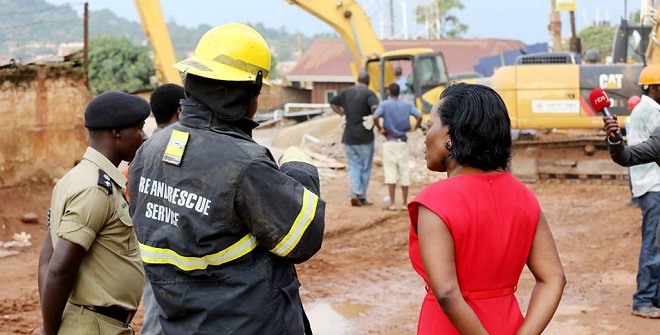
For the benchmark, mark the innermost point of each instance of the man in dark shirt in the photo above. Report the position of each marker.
(357, 103)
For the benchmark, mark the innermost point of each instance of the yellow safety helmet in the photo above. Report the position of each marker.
(231, 52)
(650, 75)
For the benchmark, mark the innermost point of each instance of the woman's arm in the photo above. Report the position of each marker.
(543, 261)
(437, 250)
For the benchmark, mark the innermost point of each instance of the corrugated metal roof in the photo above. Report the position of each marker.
(42, 59)
(324, 58)
(330, 57)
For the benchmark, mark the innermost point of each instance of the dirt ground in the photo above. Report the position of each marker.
(361, 281)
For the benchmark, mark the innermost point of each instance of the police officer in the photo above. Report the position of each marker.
(220, 224)
(90, 274)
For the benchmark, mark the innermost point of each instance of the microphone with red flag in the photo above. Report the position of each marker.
(600, 101)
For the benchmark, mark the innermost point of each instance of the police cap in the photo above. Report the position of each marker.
(116, 110)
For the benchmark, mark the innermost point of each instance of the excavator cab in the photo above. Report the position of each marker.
(630, 42)
(424, 71)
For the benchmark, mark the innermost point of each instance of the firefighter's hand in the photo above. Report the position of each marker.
(612, 128)
(295, 154)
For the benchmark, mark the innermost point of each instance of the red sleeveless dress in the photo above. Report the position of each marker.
(492, 219)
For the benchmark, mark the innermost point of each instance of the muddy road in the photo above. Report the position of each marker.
(361, 282)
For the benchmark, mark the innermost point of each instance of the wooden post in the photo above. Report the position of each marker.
(86, 43)
(555, 27)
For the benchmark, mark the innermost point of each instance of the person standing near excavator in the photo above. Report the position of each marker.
(401, 80)
(220, 224)
(645, 181)
(357, 103)
(396, 115)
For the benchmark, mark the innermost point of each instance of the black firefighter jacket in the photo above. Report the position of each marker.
(641, 153)
(220, 233)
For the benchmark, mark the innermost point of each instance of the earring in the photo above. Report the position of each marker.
(448, 144)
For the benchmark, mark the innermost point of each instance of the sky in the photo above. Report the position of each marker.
(524, 20)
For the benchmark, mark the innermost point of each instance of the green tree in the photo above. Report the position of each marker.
(634, 16)
(274, 73)
(118, 64)
(598, 38)
(438, 20)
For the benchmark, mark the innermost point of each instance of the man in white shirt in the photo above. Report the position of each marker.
(645, 181)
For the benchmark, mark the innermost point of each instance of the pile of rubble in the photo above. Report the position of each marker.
(19, 240)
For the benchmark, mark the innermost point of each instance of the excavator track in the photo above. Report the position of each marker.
(571, 141)
(579, 158)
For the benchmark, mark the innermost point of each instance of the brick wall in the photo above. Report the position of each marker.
(321, 89)
(41, 134)
(270, 98)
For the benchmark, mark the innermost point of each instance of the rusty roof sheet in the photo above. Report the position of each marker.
(328, 59)
(324, 58)
(73, 56)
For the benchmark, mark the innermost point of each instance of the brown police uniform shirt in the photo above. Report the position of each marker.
(88, 208)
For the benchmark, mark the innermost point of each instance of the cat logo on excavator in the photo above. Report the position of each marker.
(612, 81)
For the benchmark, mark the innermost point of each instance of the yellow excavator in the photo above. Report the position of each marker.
(550, 90)
(425, 68)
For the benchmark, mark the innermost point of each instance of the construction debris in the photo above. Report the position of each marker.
(30, 218)
(19, 240)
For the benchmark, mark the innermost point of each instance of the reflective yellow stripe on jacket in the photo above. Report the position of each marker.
(305, 217)
(154, 255)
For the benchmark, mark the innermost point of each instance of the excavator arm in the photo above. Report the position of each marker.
(653, 49)
(345, 16)
(155, 28)
(350, 21)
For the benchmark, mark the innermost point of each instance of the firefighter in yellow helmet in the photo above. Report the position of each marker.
(220, 225)
(644, 147)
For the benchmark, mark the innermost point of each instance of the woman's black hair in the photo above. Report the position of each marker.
(479, 126)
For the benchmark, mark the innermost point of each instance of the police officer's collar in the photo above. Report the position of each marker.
(104, 164)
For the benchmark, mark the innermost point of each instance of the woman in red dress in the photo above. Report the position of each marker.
(472, 233)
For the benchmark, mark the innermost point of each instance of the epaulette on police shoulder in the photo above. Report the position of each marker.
(104, 181)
